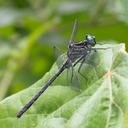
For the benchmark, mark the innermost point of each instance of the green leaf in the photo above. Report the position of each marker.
(102, 101)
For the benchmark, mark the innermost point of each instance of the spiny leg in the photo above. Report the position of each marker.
(75, 80)
(95, 49)
(70, 67)
(74, 77)
(80, 68)
(83, 60)
(67, 76)
(71, 73)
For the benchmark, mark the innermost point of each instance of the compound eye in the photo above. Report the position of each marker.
(90, 39)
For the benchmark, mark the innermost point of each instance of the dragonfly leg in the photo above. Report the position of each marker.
(74, 77)
(72, 73)
(75, 80)
(67, 76)
(84, 59)
(80, 68)
(95, 49)
(70, 67)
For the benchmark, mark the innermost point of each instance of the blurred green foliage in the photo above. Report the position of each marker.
(29, 30)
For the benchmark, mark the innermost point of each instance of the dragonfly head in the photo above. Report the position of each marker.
(90, 40)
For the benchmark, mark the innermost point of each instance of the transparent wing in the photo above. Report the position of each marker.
(61, 59)
(71, 75)
(72, 78)
(57, 52)
(74, 31)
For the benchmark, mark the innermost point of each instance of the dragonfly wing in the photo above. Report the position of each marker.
(74, 31)
(91, 59)
(60, 60)
(57, 52)
(72, 78)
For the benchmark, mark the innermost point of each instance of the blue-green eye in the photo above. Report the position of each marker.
(91, 39)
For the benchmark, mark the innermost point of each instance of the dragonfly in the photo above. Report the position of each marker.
(77, 52)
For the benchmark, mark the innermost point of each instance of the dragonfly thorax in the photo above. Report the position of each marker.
(76, 50)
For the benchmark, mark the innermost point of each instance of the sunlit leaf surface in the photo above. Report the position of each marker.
(102, 101)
